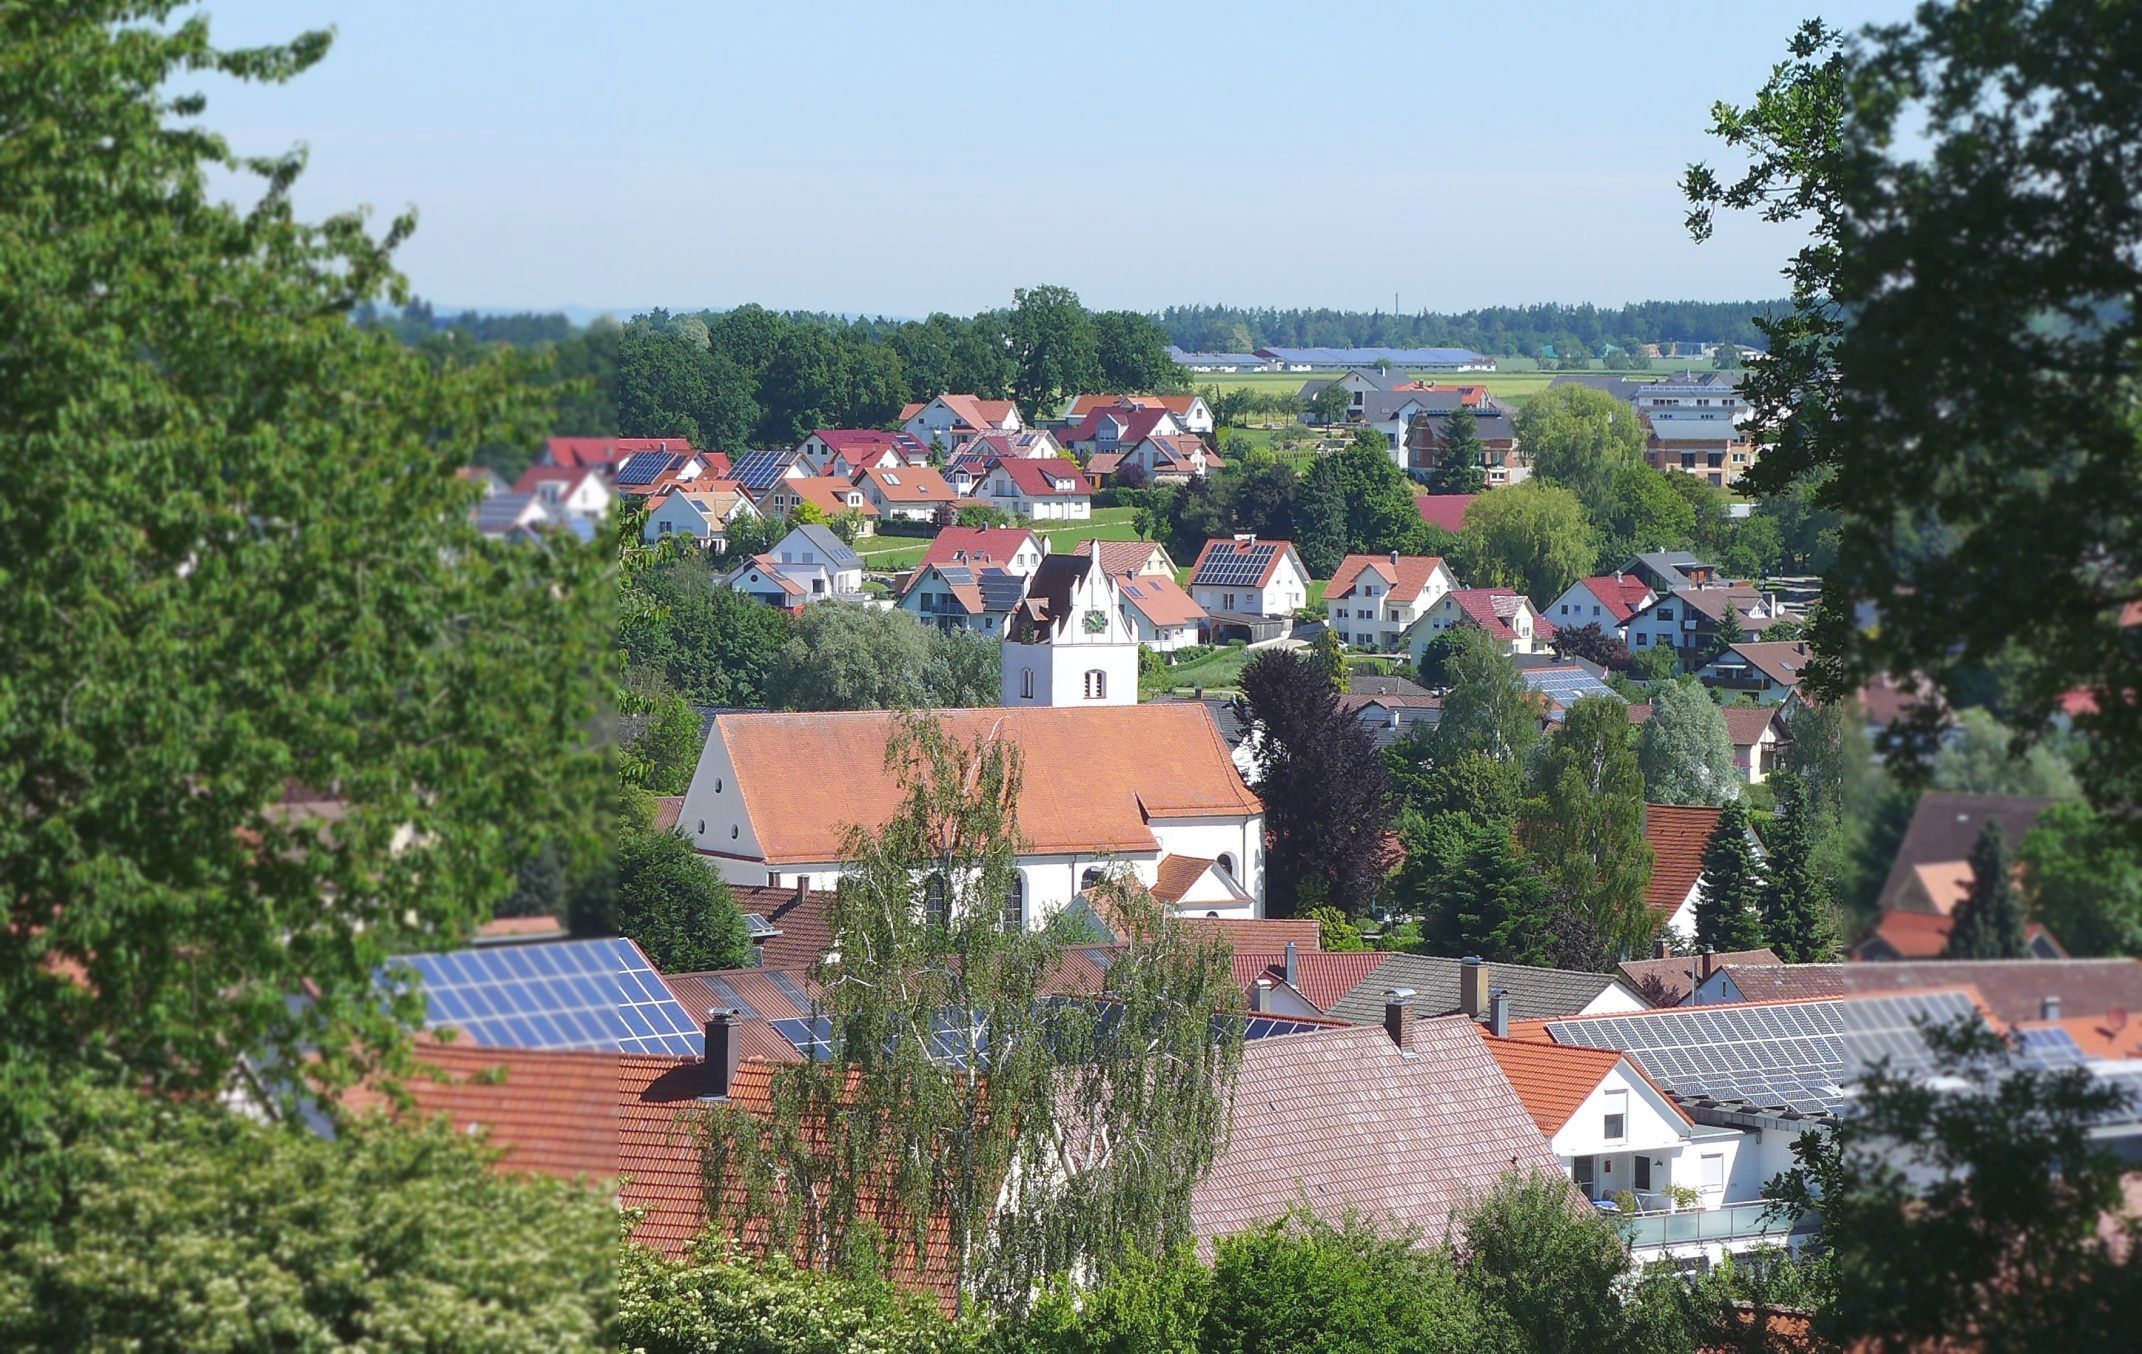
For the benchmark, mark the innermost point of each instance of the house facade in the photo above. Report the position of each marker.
(809, 564)
(1248, 576)
(1041, 491)
(1013, 549)
(1686, 620)
(1374, 599)
(703, 515)
(909, 493)
(1072, 644)
(975, 597)
(1427, 436)
(952, 421)
(1767, 672)
(1605, 600)
(1506, 616)
(568, 491)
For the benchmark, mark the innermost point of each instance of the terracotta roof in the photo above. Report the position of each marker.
(1039, 479)
(594, 451)
(1554, 1081)
(1745, 724)
(909, 484)
(802, 918)
(1779, 660)
(1175, 875)
(1161, 600)
(1945, 826)
(499, 928)
(551, 1112)
(1342, 1121)
(2101, 1036)
(667, 807)
(1492, 610)
(1619, 594)
(1135, 763)
(1323, 977)
(1444, 510)
(1677, 833)
(2010, 989)
(568, 475)
(757, 999)
(1268, 934)
(978, 545)
(1402, 579)
(828, 492)
(1220, 548)
(1082, 405)
(1676, 974)
(1123, 557)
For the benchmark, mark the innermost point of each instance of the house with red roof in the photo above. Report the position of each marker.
(568, 491)
(1162, 615)
(1117, 427)
(952, 421)
(1144, 558)
(1012, 549)
(603, 452)
(1686, 620)
(1677, 834)
(911, 493)
(1506, 616)
(979, 597)
(1054, 491)
(829, 494)
(1605, 600)
(1374, 599)
(1190, 411)
(1446, 511)
(846, 452)
(1248, 576)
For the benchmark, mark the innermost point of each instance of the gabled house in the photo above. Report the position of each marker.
(1693, 422)
(1012, 549)
(830, 496)
(1162, 616)
(757, 471)
(1190, 411)
(703, 514)
(1038, 490)
(1374, 599)
(1117, 426)
(1162, 458)
(513, 513)
(1607, 600)
(1686, 620)
(809, 564)
(605, 453)
(1665, 570)
(1144, 558)
(1031, 444)
(1508, 618)
(1769, 672)
(1252, 577)
(1758, 737)
(568, 491)
(650, 472)
(1427, 435)
(952, 421)
(978, 597)
(1936, 846)
(1678, 833)
(1135, 783)
(913, 493)
(845, 452)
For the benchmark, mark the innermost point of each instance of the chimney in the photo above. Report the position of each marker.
(1293, 966)
(1260, 997)
(1473, 987)
(1498, 1014)
(1394, 559)
(803, 888)
(2049, 1007)
(1398, 1017)
(1661, 949)
(1709, 964)
(722, 1049)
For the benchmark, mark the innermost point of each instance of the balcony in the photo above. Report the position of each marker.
(1732, 1222)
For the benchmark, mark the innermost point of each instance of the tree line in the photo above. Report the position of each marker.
(1499, 331)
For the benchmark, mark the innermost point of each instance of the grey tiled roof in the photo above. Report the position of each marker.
(1535, 993)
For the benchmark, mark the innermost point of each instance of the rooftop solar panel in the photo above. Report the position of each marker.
(576, 994)
(757, 469)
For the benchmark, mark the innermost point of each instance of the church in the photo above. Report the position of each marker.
(1070, 643)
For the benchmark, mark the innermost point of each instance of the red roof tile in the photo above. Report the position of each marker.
(802, 918)
(909, 484)
(596, 451)
(1619, 594)
(1040, 479)
(978, 545)
(1403, 579)
(1554, 1081)
(1125, 557)
(550, 1112)
(1444, 510)
(1321, 976)
(1677, 833)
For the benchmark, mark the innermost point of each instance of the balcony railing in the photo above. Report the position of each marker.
(1732, 1222)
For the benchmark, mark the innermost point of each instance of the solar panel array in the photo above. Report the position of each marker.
(1565, 686)
(1001, 591)
(1232, 566)
(949, 1037)
(758, 469)
(761, 928)
(642, 467)
(574, 994)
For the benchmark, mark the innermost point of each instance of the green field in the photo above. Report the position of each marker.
(888, 553)
(1218, 672)
(1509, 383)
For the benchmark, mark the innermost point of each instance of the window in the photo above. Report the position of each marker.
(1089, 876)
(702, 827)
(1583, 1170)
(1226, 862)
(1713, 1170)
(1617, 1116)
(936, 899)
(1642, 1171)
(1015, 904)
(1096, 684)
(1026, 684)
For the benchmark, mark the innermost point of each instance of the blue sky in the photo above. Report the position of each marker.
(903, 158)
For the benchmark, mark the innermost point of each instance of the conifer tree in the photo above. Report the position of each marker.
(1482, 896)
(1458, 468)
(1796, 907)
(1584, 823)
(1731, 889)
(1989, 921)
(1730, 632)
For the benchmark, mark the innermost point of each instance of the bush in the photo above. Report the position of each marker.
(1301, 1283)
(715, 1304)
(1654, 665)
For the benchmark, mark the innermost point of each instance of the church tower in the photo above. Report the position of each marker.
(1069, 643)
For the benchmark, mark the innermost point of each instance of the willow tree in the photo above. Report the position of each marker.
(994, 1102)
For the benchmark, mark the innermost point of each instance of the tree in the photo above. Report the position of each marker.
(295, 610)
(1730, 891)
(1489, 709)
(1798, 919)
(1325, 790)
(661, 760)
(846, 656)
(1580, 438)
(2085, 880)
(1380, 514)
(718, 1302)
(1530, 536)
(1301, 1283)
(1657, 664)
(1728, 632)
(1552, 1268)
(965, 669)
(1584, 822)
(1981, 758)
(1336, 932)
(1593, 644)
(190, 1227)
(1320, 520)
(658, 892)
(1995, 202)
(1329, 658)
(709, 644)
(1685, 751)
(1131, 352)
(1327, 405)
(1460, 463)
(864, 1156)
(1477, 892)
(670, 386)
(1989, 919)
(1981, 1206)
(1639, 511)
(1053, 346)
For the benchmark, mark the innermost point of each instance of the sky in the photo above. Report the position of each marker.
(898, 159)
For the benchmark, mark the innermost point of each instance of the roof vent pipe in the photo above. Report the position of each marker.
(1498, 1014)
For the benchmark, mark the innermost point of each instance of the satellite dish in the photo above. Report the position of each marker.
(2116, 1019)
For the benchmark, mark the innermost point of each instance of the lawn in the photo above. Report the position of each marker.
(892, 553)
(1218, 672)
(1510, 383)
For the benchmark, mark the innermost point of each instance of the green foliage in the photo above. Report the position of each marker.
(718, 1303)
(1328, 405)
(1531, 536)
(1955, 163)
(848, 656)
(1304, 1284)
(1685, 751)
(188, 1227)
(1981, 1203)
(1477, 893)
(1582, 439)
(1509, 331)
(1489, 710)
(1730, 892)
(1657, 664)
(1320, 520)
(1138, 1304)
(1460, 462)
(670, 386)
(1989, 919)
(1380, 516)
(238, 563)
(1980, 758)
(657, 891)
(1324, 785)
(965, 668)
(661, 760)
(1799, 921)
(708, 644)
(1584, 822)
(1054, 345)
(1550, 1269)
(1336, 932)
(1640, 510)
(2085, 880)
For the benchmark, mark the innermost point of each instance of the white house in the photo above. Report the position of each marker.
(1250, 577)
(704, 515)
(809, 564)
(1107, 787)
(1052, 491)
(1605, 600)
(1374, 599)
(1165, 458)
(510, 514)
(913, 493)
(1013, 549)
(846, 451)
(568, 491)
(1766, 671)
(1161, 614)
(1190, 412)
(1071, 644)
(1686, 619)
(977, 597)
(1506, 616)
(952, 421)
